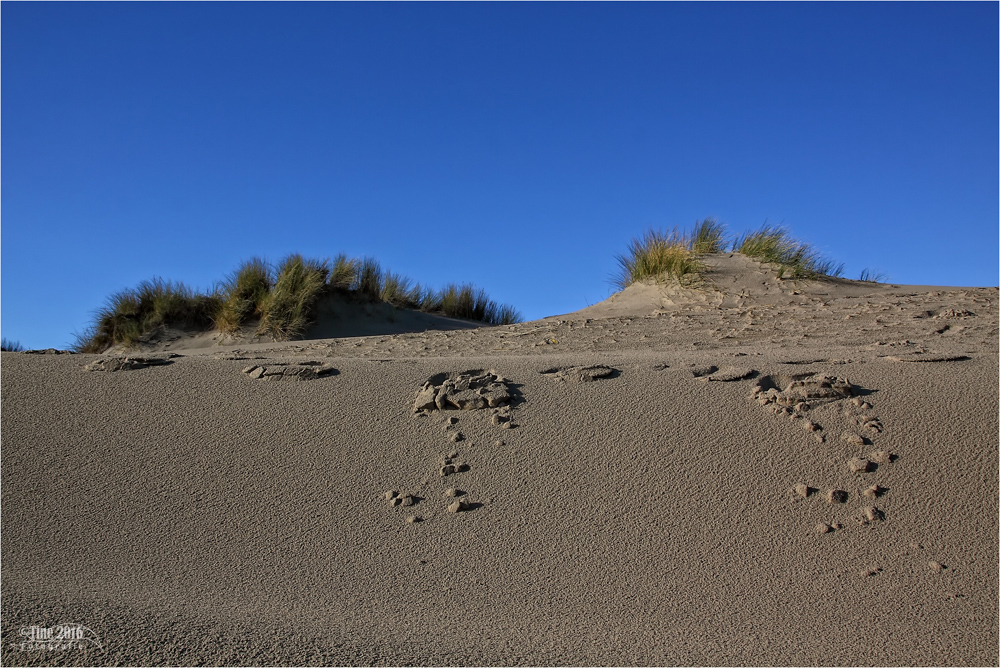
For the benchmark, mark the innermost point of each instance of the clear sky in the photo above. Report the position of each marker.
(515, 146)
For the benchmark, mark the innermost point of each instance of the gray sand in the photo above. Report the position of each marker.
(188, 513)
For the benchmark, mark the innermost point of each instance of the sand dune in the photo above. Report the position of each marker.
(744, 472)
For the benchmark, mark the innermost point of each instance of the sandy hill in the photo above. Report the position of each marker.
(746, 471)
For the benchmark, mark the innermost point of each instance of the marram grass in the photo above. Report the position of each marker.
(11, 346)
(279, 301)
(672, 255)
(656, 255)
(795, 259)
(287, 310)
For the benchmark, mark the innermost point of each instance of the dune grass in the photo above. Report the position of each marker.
(343, 272)
(674, 254)
(709, 236)
(657, 255)
(245, 291)
(795, 259)
(10, 346)
(286, 311)
(129, 315)
(871, 276)
(280, 300)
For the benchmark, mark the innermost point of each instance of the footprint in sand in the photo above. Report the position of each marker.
(801, 391)
(836, 496)
(871, 515)
(581, 374)
(449, 465)
(468, 390)
(290, 371)
(130, 363)
(874, 492)
(726, 374)
(395, 498)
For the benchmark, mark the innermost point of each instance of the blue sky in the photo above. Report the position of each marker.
(515, 146)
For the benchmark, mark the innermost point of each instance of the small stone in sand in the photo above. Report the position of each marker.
(457, 506)
(452, 492)
(451, 420)
(456, 437)
(858, 465)
(448, 469)
(935, 566)
(391, 494)
(801, 490)
(852, 438)
(413, 519)
(407, 500)
(836, 496)
(871, 572)
(823, 528)
(499, 444)
(809, 425)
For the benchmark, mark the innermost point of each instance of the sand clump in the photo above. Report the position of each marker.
(470, 390)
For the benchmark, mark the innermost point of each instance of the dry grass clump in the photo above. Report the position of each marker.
(467, 301)
(656, 255)
(673, 254)
(795, 259)
(709, 236)
(343, 272)
(10, 346)
(281, 301)
(129, 315)
(871, 276)
(288, 308)
(245, 291)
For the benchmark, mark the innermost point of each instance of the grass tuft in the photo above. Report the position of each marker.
(287, 310)
(244, 293)
(397, 290)
(344, 272)
(129, 315)
(368, 280)
(10, 346)
(709, 236)
(282, 302)
(795, 259)
(471, 303)
(656, 255)
(871, 276)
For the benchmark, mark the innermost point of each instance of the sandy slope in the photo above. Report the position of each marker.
(189, 513)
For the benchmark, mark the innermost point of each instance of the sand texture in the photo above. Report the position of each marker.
(745, 472)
